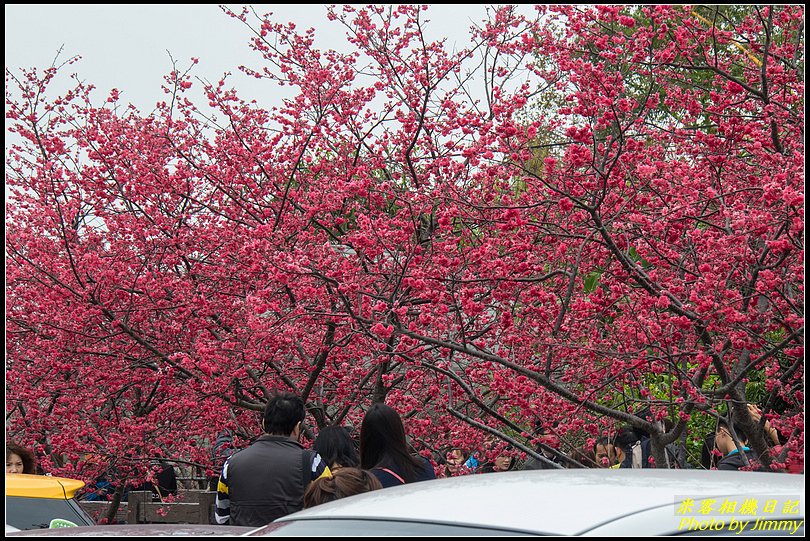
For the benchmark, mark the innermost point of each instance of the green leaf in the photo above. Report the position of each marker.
(591, 281)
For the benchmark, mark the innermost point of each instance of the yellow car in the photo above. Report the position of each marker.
(42, 501)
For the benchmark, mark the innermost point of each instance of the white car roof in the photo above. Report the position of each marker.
(561, 502)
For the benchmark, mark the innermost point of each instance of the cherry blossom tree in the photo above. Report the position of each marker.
(411, 226)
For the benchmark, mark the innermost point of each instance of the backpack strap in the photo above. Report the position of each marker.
(401, 480)
(637, 456)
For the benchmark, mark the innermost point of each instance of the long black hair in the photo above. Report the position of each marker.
(383, 445)
(336, 447)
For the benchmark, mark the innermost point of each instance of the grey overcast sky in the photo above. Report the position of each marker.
(127, 46)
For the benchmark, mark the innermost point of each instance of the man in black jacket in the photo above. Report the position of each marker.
(267, 480)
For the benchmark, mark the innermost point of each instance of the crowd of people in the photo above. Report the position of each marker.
(276, 475)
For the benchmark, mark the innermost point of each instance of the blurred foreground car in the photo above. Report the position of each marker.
(39, 501)
(565, 502)
(139, 530)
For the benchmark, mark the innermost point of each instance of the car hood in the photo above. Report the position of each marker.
(564, 502)
(138, 530)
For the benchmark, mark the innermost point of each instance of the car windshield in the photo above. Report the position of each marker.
(34, 513)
